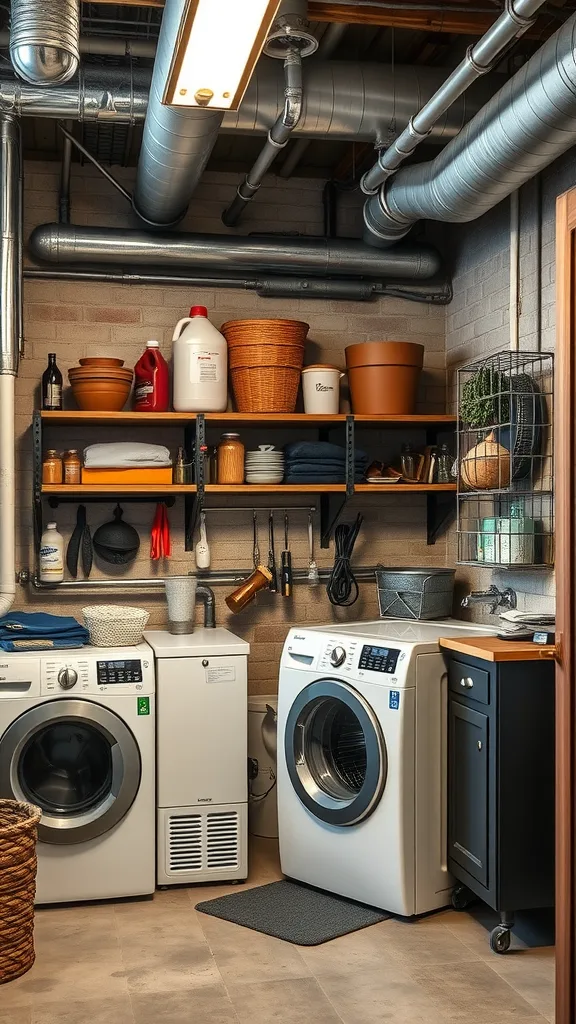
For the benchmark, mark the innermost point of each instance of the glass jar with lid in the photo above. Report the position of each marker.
(72, 466)
(52, 467)
(230, 459)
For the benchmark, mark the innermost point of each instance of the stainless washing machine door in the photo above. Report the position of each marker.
(335, 752)
(77, 761)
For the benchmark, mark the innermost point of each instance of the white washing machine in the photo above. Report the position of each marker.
(201, 756)
(77, 739)
(362, 729)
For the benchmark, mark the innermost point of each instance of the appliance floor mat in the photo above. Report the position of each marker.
(293, 912)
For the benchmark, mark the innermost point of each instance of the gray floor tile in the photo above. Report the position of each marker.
(299, 1001)
(92, 1011)
(531, 972)
(473, 991)
(203, 1004)
(376, 994)
(243, 955)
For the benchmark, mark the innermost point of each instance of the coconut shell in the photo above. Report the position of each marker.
(486, 466)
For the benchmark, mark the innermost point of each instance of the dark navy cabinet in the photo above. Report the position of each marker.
(501, 785)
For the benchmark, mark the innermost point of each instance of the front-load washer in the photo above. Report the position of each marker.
(77, 739)
(362, 766)
(202, 774)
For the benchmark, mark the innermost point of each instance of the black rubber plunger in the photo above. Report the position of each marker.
(116, 542)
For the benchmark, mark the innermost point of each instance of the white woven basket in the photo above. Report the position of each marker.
(113, 625)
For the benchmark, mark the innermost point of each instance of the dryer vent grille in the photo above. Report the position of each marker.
(204, 842)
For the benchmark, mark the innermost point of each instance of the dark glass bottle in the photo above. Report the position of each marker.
(52, 385)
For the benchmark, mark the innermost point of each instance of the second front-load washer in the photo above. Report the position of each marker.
(362, 765)
(77, 740)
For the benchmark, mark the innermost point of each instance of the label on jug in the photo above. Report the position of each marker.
(204, 366)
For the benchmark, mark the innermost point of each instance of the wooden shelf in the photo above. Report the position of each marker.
(133, 419)
(241, 419)
(390, 488)
(72, 490)
(275, 488)
(416, 420)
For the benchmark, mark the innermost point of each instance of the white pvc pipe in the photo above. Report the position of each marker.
(7, 493)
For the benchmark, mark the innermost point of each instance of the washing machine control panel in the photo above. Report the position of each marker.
(116, 672)
(378, 659)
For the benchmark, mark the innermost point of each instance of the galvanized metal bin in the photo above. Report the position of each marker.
(419, 593)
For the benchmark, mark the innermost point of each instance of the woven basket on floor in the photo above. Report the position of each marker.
(18, 834)
(266, 359)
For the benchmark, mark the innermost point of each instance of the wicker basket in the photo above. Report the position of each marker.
(115, 625)
(266, 359)
(18, 834)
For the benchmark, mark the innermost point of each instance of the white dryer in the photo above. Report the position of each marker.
(362, 730)
(77, 740)
(202, 756)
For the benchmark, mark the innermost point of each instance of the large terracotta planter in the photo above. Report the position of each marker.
(384, 376)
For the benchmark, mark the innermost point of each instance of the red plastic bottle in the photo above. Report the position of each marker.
(151, 381)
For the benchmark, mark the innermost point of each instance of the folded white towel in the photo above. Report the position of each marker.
(126, 454)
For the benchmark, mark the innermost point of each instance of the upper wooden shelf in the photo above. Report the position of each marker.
(77, 490)
(296, 419)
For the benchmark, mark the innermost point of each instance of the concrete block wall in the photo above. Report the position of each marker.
(477, 323)
(75, 319)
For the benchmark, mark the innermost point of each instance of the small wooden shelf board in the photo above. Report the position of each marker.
(246, 419)
(491, 648)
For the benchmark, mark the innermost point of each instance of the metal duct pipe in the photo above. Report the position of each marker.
(44, 40)
(108, 46)
(278, 137)
(177, 142)
(10, 325)
(480, 58)
(341, 100)
(529, 123)
(317, 257)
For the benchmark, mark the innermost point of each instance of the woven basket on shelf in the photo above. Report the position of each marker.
(18, 834)
(266, 359)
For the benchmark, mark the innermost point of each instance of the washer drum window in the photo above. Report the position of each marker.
(77, 761)
(335, 753)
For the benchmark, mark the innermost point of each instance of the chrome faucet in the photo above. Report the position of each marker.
(494, 597)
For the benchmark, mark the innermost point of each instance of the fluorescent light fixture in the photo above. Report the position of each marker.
(218, 45)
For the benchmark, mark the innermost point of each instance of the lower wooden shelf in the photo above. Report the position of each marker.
(71, 490)
(390, 488)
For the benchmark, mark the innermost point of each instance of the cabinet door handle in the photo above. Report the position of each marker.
(479, 744)
(468, 683)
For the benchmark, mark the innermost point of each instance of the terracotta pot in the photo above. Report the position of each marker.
(101, 396)
(100, 361)
(383, 377)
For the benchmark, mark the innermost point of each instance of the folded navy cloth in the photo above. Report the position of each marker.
(320, 451)
(320, 477)
(40, 631)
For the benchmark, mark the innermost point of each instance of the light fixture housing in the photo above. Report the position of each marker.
(218, 45)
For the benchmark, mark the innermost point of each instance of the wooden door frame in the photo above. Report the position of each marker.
(565, 500)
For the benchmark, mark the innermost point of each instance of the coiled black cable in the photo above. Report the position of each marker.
(342, 587)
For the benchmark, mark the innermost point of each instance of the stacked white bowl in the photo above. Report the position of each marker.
(265, 465)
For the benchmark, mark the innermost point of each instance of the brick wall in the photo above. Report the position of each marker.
(75, 319)
(477, 323)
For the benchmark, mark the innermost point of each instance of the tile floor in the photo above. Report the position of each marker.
(162, 962)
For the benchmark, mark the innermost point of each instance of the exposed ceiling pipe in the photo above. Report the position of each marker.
(529, 123)
(328, 44)
(278, 137)
(10, 343)
(439, 293)
(177, 142)
(342, 100)
(322, 257)
(481, 58)
(107, 46)
(44, 40)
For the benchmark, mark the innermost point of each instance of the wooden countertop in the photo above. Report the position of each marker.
(491, 648)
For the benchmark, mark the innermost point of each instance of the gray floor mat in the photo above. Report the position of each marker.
(295, 913)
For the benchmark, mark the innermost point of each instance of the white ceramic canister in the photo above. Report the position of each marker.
(321, 389)
(200, 365)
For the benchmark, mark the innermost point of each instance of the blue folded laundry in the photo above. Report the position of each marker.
(323, 451)
(39, 631)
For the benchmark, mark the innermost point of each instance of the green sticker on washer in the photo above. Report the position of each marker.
(143, 704)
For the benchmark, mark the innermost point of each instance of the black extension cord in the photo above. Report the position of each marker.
(342, 587)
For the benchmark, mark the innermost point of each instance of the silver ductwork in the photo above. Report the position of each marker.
(177, 142)
(323, 257)
(10, 342)
(342, 100)
(529, 123)
(44, 40)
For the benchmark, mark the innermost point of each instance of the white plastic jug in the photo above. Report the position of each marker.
(200, 365)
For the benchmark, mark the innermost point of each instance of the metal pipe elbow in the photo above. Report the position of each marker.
(206, 594)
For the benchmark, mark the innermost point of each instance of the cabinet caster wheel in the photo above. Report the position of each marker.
(461, 897)
(500, 939)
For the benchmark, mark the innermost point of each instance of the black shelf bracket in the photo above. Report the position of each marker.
(194, 439)
(332, 505)
(37, 478)
(440, 513)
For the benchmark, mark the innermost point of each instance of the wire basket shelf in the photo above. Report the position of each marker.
(505, 461)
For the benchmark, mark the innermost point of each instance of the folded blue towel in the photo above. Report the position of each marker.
(320, 451)
(320, 477)
(39, 631)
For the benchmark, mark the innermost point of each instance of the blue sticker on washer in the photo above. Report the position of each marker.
(394, 702)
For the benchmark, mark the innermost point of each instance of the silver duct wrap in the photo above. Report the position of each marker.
(96, 94)
(529, 123)
(10, 245)
(72, 245)
(44, 40)
(176, 143)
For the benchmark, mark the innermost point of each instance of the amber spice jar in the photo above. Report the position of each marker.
(230, 459)
(52, 467)
(72, 467)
